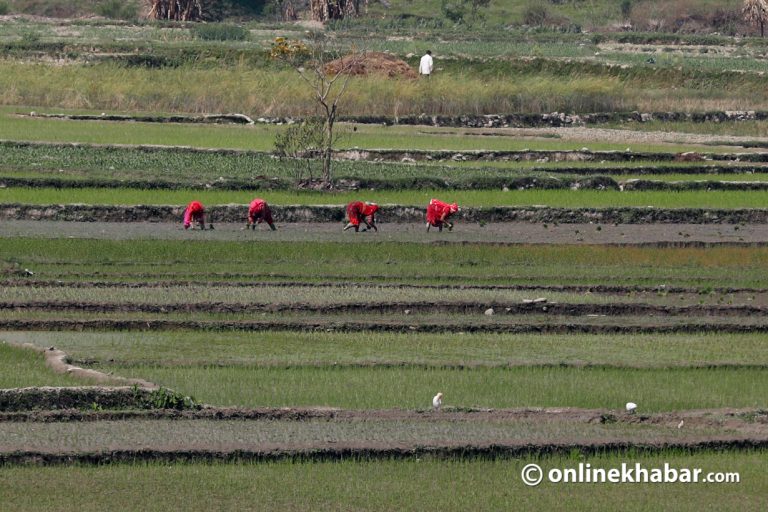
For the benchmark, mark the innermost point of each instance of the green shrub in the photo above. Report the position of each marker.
(453, 10)
(536, 15)
(626, 8)
(4, 8)
(164, 398)
(220, 32)
(30, 37)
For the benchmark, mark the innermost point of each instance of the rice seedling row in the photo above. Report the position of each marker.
(722, 199)
(285, 296)
(296, 348)
(213, 435)
(390, 484)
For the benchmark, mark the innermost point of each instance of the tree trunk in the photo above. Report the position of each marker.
(178, 10)
(289, 11)
(762, 29)
(324, 10)
(328, 153)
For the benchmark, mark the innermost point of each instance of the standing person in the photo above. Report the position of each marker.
(425, 65)
(438, 213)
(194, 213)
(258, 211)
(358, 211)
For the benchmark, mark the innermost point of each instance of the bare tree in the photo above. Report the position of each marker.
(324, 10)
(178, 10)
(327, 74)
(756, 12)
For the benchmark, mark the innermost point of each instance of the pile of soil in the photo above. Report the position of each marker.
(372, 63)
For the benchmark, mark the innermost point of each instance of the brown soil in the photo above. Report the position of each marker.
(377, 326)
(715, 429)
(397, 307)
(48, 398)
(377, 450)
(713, 231)
(617, 289)
(371, 63)
(727, 417)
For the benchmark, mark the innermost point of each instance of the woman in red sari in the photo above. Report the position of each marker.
(358, 211)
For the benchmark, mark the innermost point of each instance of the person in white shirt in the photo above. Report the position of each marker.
(425, 66)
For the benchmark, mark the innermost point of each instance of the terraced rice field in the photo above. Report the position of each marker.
(227, 368)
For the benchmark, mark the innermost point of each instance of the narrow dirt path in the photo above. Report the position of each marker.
(58, 361)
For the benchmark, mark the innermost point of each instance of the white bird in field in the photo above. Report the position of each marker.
(631, 406)
(680, 425)
(437, 401)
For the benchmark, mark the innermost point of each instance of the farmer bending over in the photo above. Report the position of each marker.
(358, 211)
(194, 213)
(258, 212)
(438, 213)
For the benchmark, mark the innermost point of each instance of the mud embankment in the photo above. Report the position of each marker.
(406, 308)
(382, 450)
(553, 119)
(733, 418)
(392, 213)
(425, 183)
(203, 119)
(417, 155)
(86, 397)
(330, 325)
(602, 289)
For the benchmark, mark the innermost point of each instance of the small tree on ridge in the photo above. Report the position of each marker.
(328, 83)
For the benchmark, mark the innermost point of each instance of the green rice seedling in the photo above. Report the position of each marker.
(142, 260)
(292, 348)
(379, 388)
(416, 484)
(719, 199)
(20, 368)
(202, 434)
